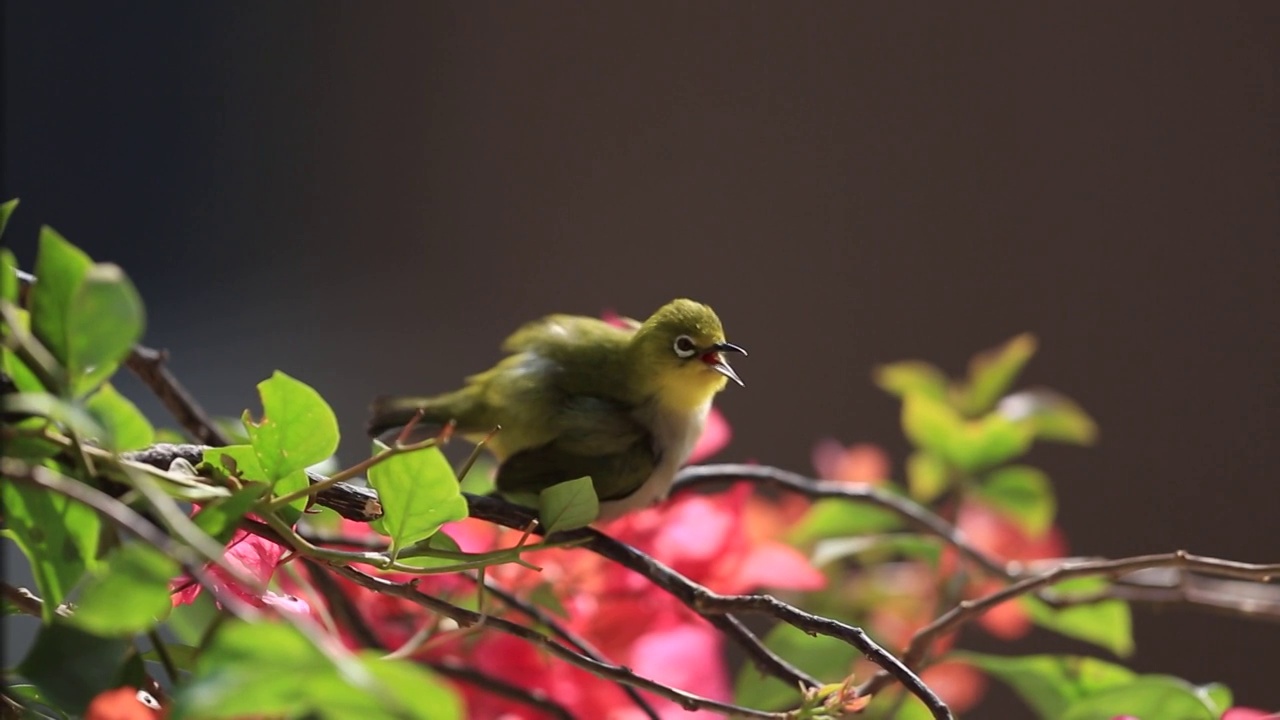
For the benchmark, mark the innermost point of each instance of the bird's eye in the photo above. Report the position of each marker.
(685, 346)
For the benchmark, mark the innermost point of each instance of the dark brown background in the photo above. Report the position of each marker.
(370, 196)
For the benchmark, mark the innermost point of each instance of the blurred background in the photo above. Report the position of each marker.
(370, 196)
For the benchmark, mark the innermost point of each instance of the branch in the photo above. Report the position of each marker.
(149, 365)
(536, 699)
(570, 638)
(915, 515)
(127, 519)
(967, 610)
(714, 606)
(465, 617)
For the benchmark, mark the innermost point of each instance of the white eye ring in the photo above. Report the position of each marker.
(685, 347)
(148, 699)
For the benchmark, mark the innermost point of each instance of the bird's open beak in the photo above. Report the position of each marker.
(717, 362)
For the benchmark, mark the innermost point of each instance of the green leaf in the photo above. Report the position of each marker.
(912, 377)
(1024, 495)
(992, 372)
(970, 445)
(1051, 683)
(71, 666)
(21, 375)
(220, 519)
(103, 322)
(1107, 623)
(8, 267)
(270, 668)
(6, 212)
(238, 461)
(32, 698)
(189, 622)
(58, 536)
(298, 428)
(127, 428)
(1054, 416)
(826, 658)
(544, 596)
(878, 546)
(130, 594)
(568, 505)
(1149, 696)
(183, 656)
(927, 477)
(60, 269)
(833, 517)
(69, 416)
(414, 556)
(419, 493)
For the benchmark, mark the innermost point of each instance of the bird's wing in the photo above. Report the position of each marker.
(545, 335)
(597, 438)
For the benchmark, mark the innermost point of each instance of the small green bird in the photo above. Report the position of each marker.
(577, 396)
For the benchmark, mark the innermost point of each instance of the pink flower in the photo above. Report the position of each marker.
(633, 623)
(1244, 713)
(715, 436)
(862, 462)
(253, 557)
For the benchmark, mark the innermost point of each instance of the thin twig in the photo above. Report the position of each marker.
(127, 519)
(618, 673)
(967, 610)
(534, 698)
(915, 514)
(572, 639)
(149, 365)
(25, 600)
(710, 604)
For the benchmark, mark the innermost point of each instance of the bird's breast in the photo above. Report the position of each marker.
(675, 432)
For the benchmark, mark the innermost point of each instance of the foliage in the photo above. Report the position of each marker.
(181, 574)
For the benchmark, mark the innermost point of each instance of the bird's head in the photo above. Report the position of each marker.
(679, 354)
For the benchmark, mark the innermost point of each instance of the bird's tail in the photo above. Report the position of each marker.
(393, 411)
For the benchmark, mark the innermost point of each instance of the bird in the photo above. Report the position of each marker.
(579, 396)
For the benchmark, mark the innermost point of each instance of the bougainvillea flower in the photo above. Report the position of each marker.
(253, 557)
(989, 530)
(628, 619)
(861, 463)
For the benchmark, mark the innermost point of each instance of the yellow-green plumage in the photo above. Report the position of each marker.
(577, 396)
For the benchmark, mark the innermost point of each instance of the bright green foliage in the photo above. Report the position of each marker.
(1023, 494)
(60, 269)
(8, 266)
(129, 595)
(125, 426)
(271, 668)
(1054, 416)
(568, 505)
(219, 519)
(1050, 684)
(912, 377)
(298, 428)
(58, 535)
(927, 476)
(70, 666)
(837, 518)
(1063, 687)
(6, 211)
(419, 493)
(103, 321)
(969, 445)
(991, 374)
(827, 659)
(1107, 623)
